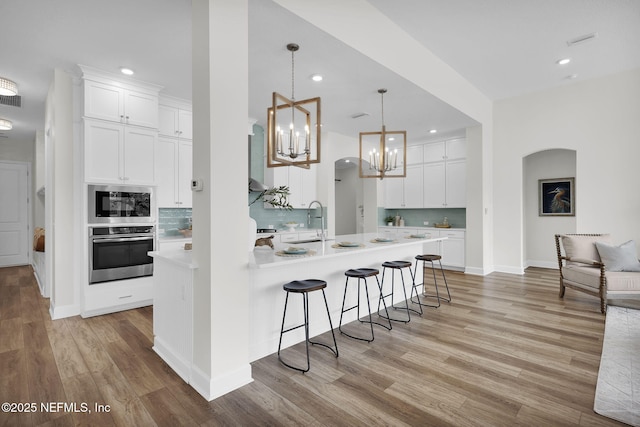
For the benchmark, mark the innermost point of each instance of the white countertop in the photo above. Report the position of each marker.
(180, 257)
(265, 257)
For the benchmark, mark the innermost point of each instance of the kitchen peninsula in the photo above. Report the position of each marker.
(269, 270)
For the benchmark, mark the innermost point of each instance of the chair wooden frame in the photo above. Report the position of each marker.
(564, 283)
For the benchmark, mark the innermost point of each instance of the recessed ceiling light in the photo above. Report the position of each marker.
(126, 71)
(563, 61)
(316, 78)
(433, 131)
(347, 161)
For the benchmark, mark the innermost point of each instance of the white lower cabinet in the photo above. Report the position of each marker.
(451, 249)
(118, 295)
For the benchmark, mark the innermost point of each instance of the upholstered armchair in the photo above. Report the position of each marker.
(590, 263)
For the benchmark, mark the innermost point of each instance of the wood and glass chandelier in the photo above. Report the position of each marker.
(293, 127)
(383, 154)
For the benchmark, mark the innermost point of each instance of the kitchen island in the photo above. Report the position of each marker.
(269, 269)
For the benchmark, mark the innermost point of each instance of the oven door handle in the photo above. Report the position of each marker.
(120, 239)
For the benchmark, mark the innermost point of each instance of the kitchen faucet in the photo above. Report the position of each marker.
(321, 234)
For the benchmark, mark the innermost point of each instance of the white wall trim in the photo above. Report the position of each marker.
(509, 269)
(478, 271)
(212, 388)
(64, 311)
(541, 264)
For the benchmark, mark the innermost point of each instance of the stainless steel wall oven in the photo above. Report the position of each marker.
(117, 253)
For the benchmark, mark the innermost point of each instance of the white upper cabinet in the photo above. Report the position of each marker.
(117, 104)
(116, 153)
(174, 172)
(301, 182)
(175, 121)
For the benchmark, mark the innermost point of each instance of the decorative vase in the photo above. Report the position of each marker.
(253, 232)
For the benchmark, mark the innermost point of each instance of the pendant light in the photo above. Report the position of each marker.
(383, 154)
(293, 127)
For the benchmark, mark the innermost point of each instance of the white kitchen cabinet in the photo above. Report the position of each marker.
(117, 295)
(175, 122)
(116, 153)
(115, 103)
(453, 248)
(445, 174)
(405, 192)
(174, 171)
(456, 183)
(301, 183)
(445, 150)
(434, 194)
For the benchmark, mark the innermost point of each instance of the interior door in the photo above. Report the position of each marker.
(14, 209)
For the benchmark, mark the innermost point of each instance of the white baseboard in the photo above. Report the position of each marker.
(63, 311)
(181, 366)
(542, 264)
(509, 269)
(212, 388)
(477, 271)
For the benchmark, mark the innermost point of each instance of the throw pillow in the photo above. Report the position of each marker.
(619, 258)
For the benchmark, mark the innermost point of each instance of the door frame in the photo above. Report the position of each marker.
(29, 231)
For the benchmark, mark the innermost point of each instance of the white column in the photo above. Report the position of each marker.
(220, 211)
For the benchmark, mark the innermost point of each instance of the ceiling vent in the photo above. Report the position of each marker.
(582, 39)
(12, 101)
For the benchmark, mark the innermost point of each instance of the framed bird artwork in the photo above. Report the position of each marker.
(557, 197)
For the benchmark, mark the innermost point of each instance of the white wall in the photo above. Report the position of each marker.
(61, 212)
(598, 119)
(539, 230)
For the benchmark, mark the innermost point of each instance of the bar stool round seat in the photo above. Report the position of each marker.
(304, 287)
(397, 266)
(361, 274)
(429, 258)
(308, 285)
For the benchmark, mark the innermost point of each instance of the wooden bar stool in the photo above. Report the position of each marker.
(397, 266)
(429, 258)
(362, 274)
(304, 287)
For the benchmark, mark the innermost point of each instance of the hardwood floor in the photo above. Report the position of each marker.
(506, 351)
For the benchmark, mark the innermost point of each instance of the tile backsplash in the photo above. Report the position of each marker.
(170, 220)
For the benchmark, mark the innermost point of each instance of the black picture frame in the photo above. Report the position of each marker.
(557, 197)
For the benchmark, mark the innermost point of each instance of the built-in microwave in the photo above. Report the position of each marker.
(115, 204)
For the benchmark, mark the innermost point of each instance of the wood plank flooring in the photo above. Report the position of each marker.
(505, 352)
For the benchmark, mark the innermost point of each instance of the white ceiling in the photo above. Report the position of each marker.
(503, 47)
